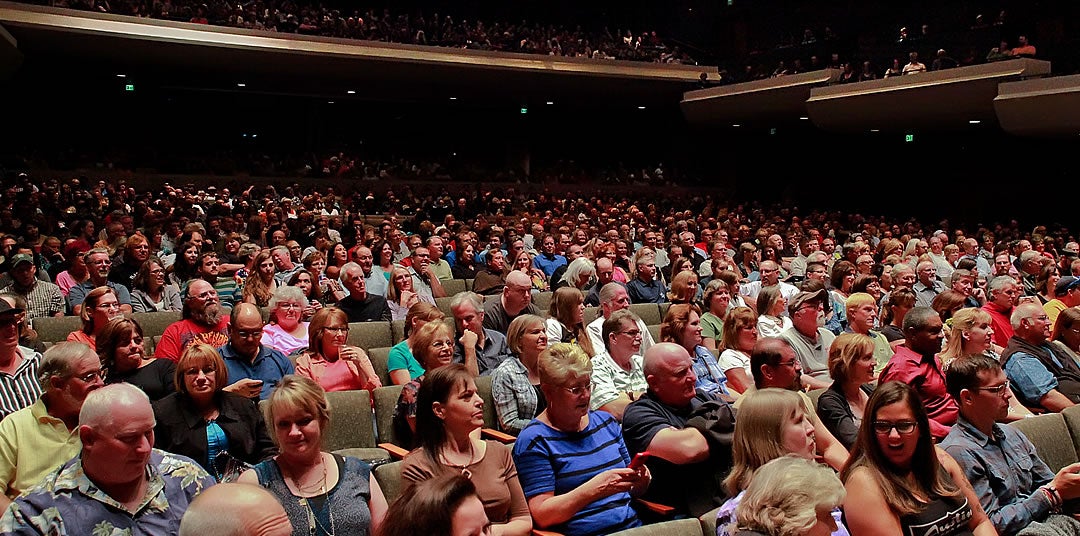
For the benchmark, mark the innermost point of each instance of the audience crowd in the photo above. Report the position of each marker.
(918, 341)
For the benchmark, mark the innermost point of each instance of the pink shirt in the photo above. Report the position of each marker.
(340, 374)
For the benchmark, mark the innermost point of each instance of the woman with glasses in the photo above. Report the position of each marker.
(331, 363)
(898, 482)
(136, 252)
(433, 348)
(100, 306)
(120, 348)
(287, 332)
(449, 412)
(572, 462)
(515, 383)
(150, 293)
(203, 421)
(738, 339)
(771, 306)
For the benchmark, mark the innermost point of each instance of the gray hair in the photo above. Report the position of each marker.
(57, 361)
(470, 298)
(998, 283)
(607, 292)
(576, 269)
(785, 495)
(1029, 256)
(349, 268)
(287, 293)
(918, 318)
(958, 274)
(97, 409)
(281, 249)
(1023, 312)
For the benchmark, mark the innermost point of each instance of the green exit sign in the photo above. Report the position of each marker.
(909, 138)
(524, 110)
(129, 87)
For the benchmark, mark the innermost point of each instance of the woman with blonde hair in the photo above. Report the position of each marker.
(400, 295)
(566, 319)
(100, 306)
(789, 496)
(684, 288)
(972, 333)
(682, 326)
(738, 338)
(523, 262)
(401, 363)
(260, 285)
(515, 382)
(851, 366)
(433, 348)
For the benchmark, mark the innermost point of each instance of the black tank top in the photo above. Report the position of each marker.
(942, 516)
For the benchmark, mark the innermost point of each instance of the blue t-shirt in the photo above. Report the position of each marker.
(550, 460)
(269, 366)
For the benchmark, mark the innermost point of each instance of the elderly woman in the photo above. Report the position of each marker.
(433, 348)
(100, 306)
(150, 293)
(515, 383)
(717, 296)
(331, 363)
(898, 480)
(770, 307)
(682, 326)
(851, 366)
(738, 339)
(567, 492)
(771, 423)
(202, 421)
(120, 348)
(566, 319)
(578, 274)
(287, 332)
(789, 496)
(322, 493)
(449, 412)
(402, 365)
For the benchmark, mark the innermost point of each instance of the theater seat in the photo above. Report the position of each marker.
(648, 312)
(397, 330)
(55, 328)
(379, 358)
(654, 330)
(369, 335)
(388, 476)
(453, 286)
(154, 324)
(1050, 435)
(542, 301)
(385, 400)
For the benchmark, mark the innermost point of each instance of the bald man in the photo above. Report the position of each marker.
(516, 300)
(686, 431)
(235, 510)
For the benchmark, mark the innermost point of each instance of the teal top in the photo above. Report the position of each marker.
(401, 357)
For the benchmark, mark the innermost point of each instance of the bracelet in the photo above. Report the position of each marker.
(1054, 497)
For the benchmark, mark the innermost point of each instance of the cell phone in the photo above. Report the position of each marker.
(639, 460)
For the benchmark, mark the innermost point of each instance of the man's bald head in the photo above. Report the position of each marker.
(519, 278)
(235, 510)
(669, 371)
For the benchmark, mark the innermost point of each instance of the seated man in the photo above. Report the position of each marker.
(204, 320)
(254, 369)
(862, 315)
(1067, 291)
(232, 509)
(119, 484)
(97, 266)
(208, 269)
(687, 461)
(916, 364)
(646, 287)
(613, 297)
(490, 280)
(810, 341)
(19, 386)
(1040, 375)
(38, 438)
(425, 281)
(43, 298)
(361, 305)
(480, 349)
(1015, 487)
(770, 275)
(618, 375)
(927, 287)
(516, 300)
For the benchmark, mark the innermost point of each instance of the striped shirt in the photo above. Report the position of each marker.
(553, 461)
(21, 388)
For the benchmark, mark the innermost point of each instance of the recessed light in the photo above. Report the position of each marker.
(329, 102)
(874, 130)
(640, 107)
(351, 92)
(550, 102)
(121, 75)
(804, 118)
(241, 84)
(736, 125)
(453, 98)
(974, 122)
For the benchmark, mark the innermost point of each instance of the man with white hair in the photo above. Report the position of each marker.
(118, 484)
(770, 275)
(233, 509)
(361, 305)
(928, 286)
(1041, 375)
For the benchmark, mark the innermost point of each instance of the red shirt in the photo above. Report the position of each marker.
(999, 320)
(180, 335)
(925, 376)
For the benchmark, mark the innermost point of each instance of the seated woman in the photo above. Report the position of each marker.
(789, 495)
(738, 339)
(771, 423)
(323, 493)
(101, 306)
(202, 421)
(331, 363)
(771, 318)
(566, 319)
(684, 288)
(971, 333)
(515, 383)
(402, 365)
(465, 266)
(716, 298)
(841, 406)
(898, 482)
(524, 262)
(442, 506)
(448, 412)
(287, 332)
(894, 308)
(682, 326)
(400, 295)
(260, 285)
(433, 348)
(572, 462)
(149, 291)
(578, 274)
(120, 348)
(1066, 334)
(310, 290)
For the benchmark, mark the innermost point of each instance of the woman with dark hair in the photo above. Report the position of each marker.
(260, 285)
(1066, 334)
(433, 348)
(338, 255)
(448, 412)
(893, 310)
(441, 506)
(948, 303)
(1046, 282)
(185, 264)
(897, 480)
(842, 279)
(384, 256)
(120, 348)
(771, 306)
(309, 289)
(465, 261)
(868, 284)
(100, 306)
(717, 298)
(150, 293)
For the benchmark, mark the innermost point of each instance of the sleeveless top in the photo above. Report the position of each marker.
(348, 500)
(216, 443)
(942, 516)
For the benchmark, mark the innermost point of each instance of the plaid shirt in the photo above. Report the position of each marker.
(515, 397)
(43, 299)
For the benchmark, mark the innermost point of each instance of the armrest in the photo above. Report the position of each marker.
(657, 508)
(395, 451)
(501, 437)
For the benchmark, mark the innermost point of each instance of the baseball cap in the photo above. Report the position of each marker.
(6, 308)
(20, 258)
(802, 298)
(1065, 284)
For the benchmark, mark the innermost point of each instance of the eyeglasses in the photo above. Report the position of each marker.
(244, 334)
(290, 305)
(579, 390)
(633, 333)
(886, 427)
(792, 363)
(342, 329)
(107, 306)
(442, 344)
(89, 377)
(999, 390)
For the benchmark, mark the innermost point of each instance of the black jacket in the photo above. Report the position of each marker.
(181, 430)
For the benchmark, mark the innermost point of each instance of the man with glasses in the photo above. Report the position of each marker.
(1041, 375)
(254, 369)
(204, 321)
(916, 364)
(19, 386)
(928, 286)
(1015, 487)
(618, 371)
(613, 297)
(809, 339)
(38, 438)
(605, 273)
(770, 276)
(98, 264)
(686, 454)
(516, 300)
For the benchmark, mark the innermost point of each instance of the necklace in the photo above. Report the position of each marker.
(314, 525)
(462, 467)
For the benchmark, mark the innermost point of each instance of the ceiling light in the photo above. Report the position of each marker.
(453, 98)
(974, 122)
(121, 76)
(736, 125)
(241, 84)
(874, 130)
(640, 107)
(550, 102)
(351, 92)
(329, 102)
(803, 118)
